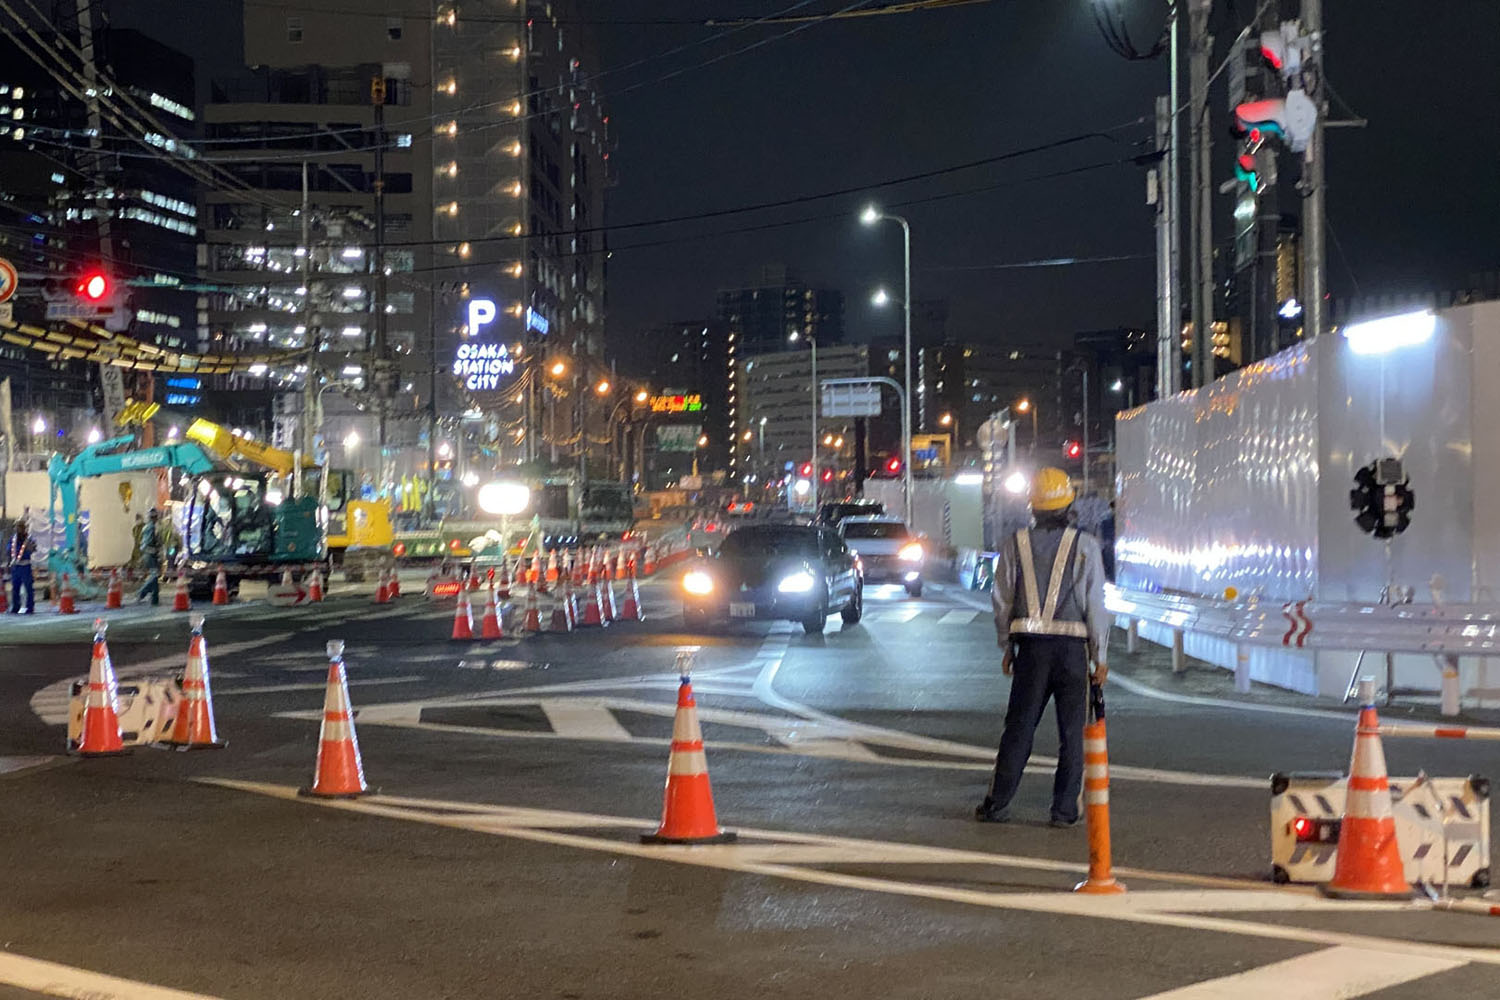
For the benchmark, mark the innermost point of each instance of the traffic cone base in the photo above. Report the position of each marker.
(180, 599)
(1369, 864)
(490, 627)
(315, 588)
(221, 588)
(687, 815)
(65, 598)
(382, 590)
(114, 597)
(339, 773)
(194, 728)
(394, 590)
(463, 618)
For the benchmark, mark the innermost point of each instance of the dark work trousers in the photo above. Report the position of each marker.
(20, 580)
(1055, 667)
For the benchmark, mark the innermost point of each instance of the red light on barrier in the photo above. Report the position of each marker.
(448, 588)
(1304, 828)
(398, 550)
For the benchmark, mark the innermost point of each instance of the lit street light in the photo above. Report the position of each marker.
(881, 298)
(558, 368)
(873, 216)
(603, 387)
(813, 390)
(1025, 406)
(642, 396)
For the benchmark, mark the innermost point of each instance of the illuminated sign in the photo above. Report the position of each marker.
(482, 365)
(536, 321)
(482, 312)
(677, 404)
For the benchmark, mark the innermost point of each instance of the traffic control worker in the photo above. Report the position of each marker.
(1048, 596)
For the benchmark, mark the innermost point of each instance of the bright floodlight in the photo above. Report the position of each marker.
(351, 440)
(504, 499)
(1016, 483)
(470, 478)
(968, 479)
(445, 450)
(39, 426)
(870, 215)
(1290, 309)
(1117, 386)
(801, 487)
(881, 297)
(794, 336)
(1389, 333)
(94, 436)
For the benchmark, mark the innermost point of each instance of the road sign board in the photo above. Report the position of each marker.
(8, 280)
(851, 400)
(75, 310)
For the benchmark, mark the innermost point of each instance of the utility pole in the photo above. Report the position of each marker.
(1200, 214)
(382, 373)
(1263, 308)
(310, 377)
(1314, 249)
(1168, 290)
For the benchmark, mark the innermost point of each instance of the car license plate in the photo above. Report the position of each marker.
(742, 609)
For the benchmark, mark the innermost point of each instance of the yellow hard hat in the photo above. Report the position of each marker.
(1051, 489)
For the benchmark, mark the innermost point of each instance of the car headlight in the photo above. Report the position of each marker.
(698, 582)
(797, 583)
(910, 553)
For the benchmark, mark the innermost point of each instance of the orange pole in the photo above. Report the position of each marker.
(1101, 880)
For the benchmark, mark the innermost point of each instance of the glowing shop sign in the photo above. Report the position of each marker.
(677, 404)
(481, 366)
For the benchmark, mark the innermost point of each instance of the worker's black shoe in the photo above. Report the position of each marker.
(988, 812)
(1062, 822)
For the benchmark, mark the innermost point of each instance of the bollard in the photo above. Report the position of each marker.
(1179, 659)
(1450, 689)
(1133, 636)
(1101, 880)
(1242, 669)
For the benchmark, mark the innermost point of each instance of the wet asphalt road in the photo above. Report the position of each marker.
(502, 857)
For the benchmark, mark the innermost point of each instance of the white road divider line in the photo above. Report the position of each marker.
(958, 618)
(1341, 972)
(10, 765)
(583, 718)
(54, 980)
(279, 688)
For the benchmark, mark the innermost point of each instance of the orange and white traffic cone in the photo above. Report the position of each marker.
(100, 733)
(393, 587)
(609, 609)
(1369, 862)
(593, 607)
(632, 612)
(65, 597)
(221, 587)
(490, 626)
(570, 603)
(339, 774)
(620, 564)
(552, 569)
(538, 574)
(382, 589)
(315, 587)
(533, 620)
(114, 596)
(649, 560)
(561, 622)
(463, 617)
(194, 728)
(503, 583)
(4, 604)
(687, 814)
(1101, 880)
(180, 599)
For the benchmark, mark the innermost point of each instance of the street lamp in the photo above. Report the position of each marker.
(603, 387)
(812, 342)
(642, 395)
(881, 298)
(559, 368)
(872, 216)
(1026, 406)
(504, 499)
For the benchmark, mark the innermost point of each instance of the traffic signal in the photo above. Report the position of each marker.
(827, 475)
(93, 287)
(1291, 118)
(1072, 449)
(806, 470)
(1285, 48)
(1382, 498)
(1255, 165)
(893, 465)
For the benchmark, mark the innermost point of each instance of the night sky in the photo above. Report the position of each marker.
(1413, 197)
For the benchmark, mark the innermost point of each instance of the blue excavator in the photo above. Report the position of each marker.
(241, 520)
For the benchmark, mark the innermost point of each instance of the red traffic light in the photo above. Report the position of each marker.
(1072, 449)
(94, 286)
(827, 475)
(893, 465)
(806, 469)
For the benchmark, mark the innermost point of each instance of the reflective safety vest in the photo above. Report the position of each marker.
(1039, 618)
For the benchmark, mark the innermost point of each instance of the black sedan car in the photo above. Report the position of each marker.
(777, 571)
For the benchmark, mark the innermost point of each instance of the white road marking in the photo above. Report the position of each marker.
(958, 618)
(56, 980)
(1340, 972)
(583, 719)
(522, 824)
(9, 765)
(896, 616)
(278, 688)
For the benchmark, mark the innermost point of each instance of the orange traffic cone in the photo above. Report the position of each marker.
(490, 627)
(1101, 880)
(194, 728)
(609, 609)
(4, 605)
(538, 575)
(180, 599)
(533, 619)
(393, 589)
(632, 612)
(65, 597)
(593, 607)
(315, 587)
(101, 722)
(503, 583)
(463, 617)
(221, 588)
(114, 597)
(561, 622)
(1369, 861)
(649, 560)
(619, 564)
(339, 774)
(382, 590)
(687, 815)
(552, 569)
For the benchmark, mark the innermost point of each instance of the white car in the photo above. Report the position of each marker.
(887, 548)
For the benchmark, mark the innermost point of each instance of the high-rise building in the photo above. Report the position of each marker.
(775, 424)
(689, 358)
(96, 192)
(491, 175)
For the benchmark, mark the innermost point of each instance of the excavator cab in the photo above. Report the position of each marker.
(238, 518)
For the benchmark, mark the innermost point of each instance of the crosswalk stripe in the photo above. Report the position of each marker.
(578, 718)
(1332, 972)
(958, 618)
(893, 617)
